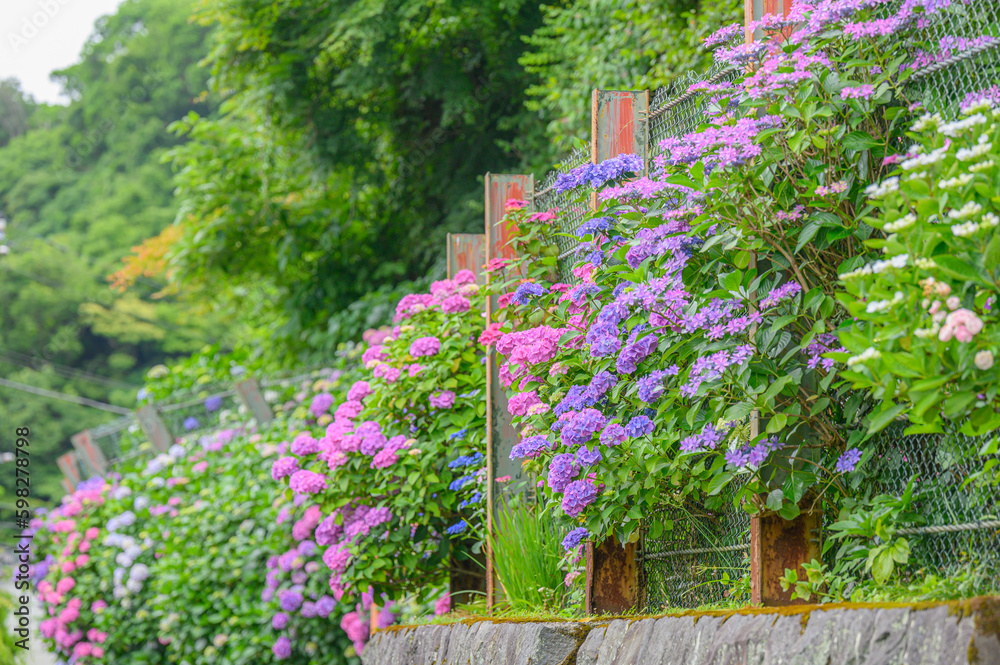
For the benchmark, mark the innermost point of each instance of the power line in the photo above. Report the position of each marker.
(72, 399)
(26, 361)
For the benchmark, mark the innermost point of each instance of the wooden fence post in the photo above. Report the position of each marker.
(154, 428)
(88, 452)
(467, 251)
(619, 125)
(249, 393)
(500, 433)
(71, 470)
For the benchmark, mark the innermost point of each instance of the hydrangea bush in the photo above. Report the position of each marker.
(707, 346)
(186, 559)
(396, 473)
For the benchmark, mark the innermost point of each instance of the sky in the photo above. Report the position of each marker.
(39, 36)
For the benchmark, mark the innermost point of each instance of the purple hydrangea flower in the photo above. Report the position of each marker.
(213, 403)
(289, 600)
(443, 400)
(587, 457)
(190, 423)
(562, 469)
(574, 538)
(849, 460)
(613, 434)
(639, 426)
(579, 494)
(279, 621)
(307, 482)
(282, 648)
(284, 466)
(529, 447)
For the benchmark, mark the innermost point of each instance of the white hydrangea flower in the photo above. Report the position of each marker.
(904, 222)
(989, 220)
(878, 267)
(965, 230)
(982, 166)
(971, 154)
(880, 190)
(953, 129)
(931, 158)
(866, 355)
(924, 263)
(878, 306)
(956, 182)
(926, 121)
(970, 209)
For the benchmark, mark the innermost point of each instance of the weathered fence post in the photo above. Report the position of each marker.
(249, 393)
(467, 251)
(500, 433)
(154, 428)
(71, 470)
(89, 453)
(619, 125)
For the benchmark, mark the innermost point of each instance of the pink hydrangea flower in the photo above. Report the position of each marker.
(443, 400)
(307, 482)
(425, 346)
(962, 324)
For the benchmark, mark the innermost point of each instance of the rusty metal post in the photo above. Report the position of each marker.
(777, 544)
(68, 465)
(88, 452)
(154, 428)
(372, 619)
(249, 393)
(467, 251)
(500, 433)
(754, 10)
(619, 125)
(612, 578)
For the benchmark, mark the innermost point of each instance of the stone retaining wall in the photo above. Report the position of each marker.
(926, 634)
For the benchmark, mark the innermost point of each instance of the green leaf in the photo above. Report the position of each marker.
(717, 482)
(775, 499)
(882, 567)
(858, 141)
(879, 421)
(956, 267)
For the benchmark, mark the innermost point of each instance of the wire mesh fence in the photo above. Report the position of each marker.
(957, 523)
(702, 556)
(572, 212)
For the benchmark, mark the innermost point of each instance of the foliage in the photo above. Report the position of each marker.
(706, 302)
(927, 334)
(8, 652)
(528, 567)
(385, 472)
(79, 185)
(185, 558)
(611, 45)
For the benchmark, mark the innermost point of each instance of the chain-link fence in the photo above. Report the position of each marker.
(572, 213)
(956, 528)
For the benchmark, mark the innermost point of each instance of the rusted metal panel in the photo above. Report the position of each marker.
(612, 578)
(68, 465)
(467, 251)
(500, 433)
(154, 428)
(501, 188)
(249, 393)
(620, 124)
(777, 544)
(68, 485)
(88, 453)
(754, 10)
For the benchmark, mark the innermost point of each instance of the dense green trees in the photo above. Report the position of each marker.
(79, 185)
(320, 152)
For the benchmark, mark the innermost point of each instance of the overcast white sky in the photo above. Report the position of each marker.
(39, 36)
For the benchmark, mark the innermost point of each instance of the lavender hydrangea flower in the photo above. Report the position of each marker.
(848, 460)
(613, 434)
(289, 600)
(190, 423)
(282, 648)
(587, 457)
(524, 293)
(639, 426)
(579, 494)
(574, 538)
(457, 528)
(529, 447)
(213, 403)
(562, 469)
(279, 621)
